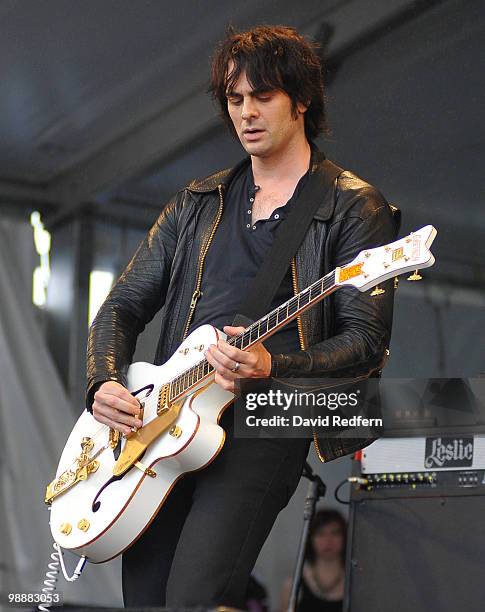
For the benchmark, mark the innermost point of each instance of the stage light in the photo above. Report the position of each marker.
(100, 283)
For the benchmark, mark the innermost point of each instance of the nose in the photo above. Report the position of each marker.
(249, 109)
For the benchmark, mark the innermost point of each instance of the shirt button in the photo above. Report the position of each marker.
(254, 227)
(248, 225)
(249, 211)
(277, 216)
(251, 199)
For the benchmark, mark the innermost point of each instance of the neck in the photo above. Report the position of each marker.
(290, 164)
(326, 563)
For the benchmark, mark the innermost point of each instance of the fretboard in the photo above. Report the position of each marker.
(258, 331)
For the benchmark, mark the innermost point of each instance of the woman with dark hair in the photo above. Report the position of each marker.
(322, 583)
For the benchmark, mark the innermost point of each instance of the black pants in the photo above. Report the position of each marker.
(204, 542)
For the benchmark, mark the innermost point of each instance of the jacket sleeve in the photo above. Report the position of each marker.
(361, 323)
(132, 303)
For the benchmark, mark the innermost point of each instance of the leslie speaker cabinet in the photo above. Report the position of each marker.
(417, 526)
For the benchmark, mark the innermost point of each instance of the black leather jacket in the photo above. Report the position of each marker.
(345, 335)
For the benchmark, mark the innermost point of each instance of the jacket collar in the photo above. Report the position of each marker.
(224, 177)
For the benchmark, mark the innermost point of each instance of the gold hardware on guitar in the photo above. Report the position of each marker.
(83, 524)
(113, 438)
(415, 276)
(377, 291)
(83, 466)
(144, 469)
(87, 444)
(175, 431)
(163, 401)
(65, 528)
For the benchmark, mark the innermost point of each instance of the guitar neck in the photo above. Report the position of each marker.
(282, 315)
(370, 267)
(259, 331)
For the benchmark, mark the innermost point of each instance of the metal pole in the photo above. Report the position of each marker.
(316, 489)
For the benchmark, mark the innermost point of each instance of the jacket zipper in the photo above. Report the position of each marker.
(303, 347)
(196, 295)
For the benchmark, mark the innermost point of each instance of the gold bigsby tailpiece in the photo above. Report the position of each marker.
(136, 444)
(82, 467)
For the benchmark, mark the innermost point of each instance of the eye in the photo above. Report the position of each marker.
(264, 97)
(234, 101)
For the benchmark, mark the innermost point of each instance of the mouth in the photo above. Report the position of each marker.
(252, 133)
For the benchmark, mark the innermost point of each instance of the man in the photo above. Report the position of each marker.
(196, 262)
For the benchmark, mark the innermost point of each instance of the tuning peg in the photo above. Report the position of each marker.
(415, 276)
(377, 291)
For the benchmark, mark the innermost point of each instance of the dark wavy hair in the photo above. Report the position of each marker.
(273, 57)
(321, 519)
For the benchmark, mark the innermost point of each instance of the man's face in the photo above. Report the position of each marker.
(263, 120)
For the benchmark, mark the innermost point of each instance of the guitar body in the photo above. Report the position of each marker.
(101, 516)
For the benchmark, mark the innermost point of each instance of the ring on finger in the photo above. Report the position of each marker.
(236, 367)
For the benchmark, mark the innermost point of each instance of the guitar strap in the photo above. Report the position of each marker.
(288, 237)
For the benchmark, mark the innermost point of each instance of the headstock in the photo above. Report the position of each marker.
(373, 266)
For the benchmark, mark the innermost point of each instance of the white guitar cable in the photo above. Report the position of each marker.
(52, 573)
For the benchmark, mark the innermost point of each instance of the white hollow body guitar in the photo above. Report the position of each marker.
(108, 488)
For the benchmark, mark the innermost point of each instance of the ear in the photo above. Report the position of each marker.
(302, 108)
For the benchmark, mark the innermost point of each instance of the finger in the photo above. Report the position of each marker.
(233, 331)
(114, 401)
(116, 390)
(228, 385)
(223, 359)
(222, 369)
(114, 425)
(116, 415)
(122, 417)
(234, 354)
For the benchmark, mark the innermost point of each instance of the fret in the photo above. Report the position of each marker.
(292, 306)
